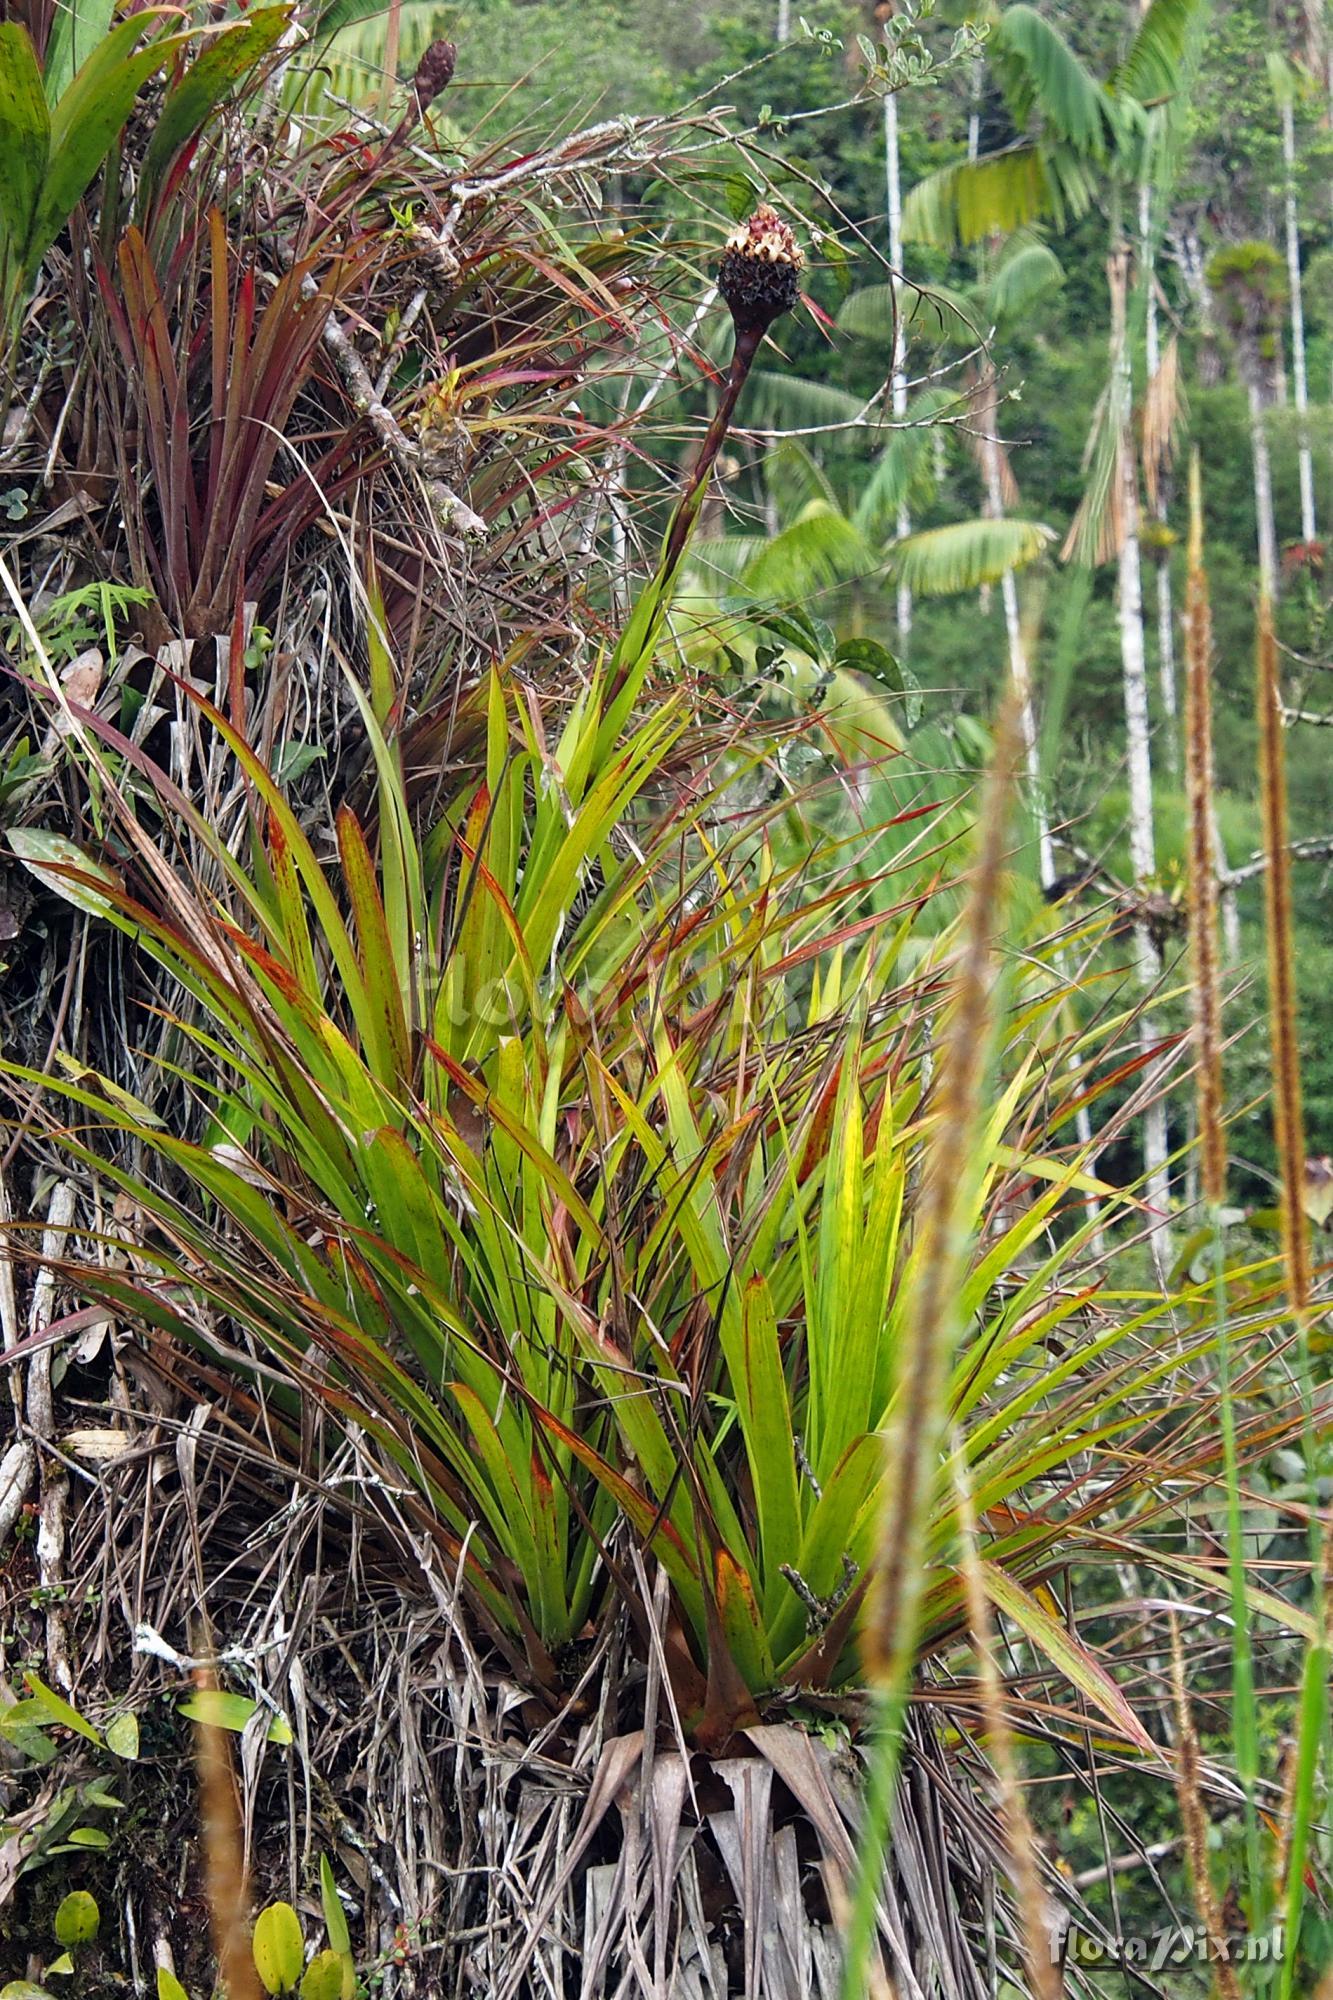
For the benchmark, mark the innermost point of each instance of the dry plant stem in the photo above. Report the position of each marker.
(448, 509)
(41, 1423)
(748, 341)
(1044, 1976)
(1313, 1726)
(1195, 1822)
(224, 1869)
(1289, 1132)
(1212, 1138)
(917, 1420)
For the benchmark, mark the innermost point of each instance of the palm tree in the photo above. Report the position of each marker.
(893, 190)
(849, 547)
(1081, 135)
(1026, 271)
(1249, 282)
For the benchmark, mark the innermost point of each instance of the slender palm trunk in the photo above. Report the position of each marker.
(1306, 457)
(1142, 844)
(1265, 518)
(987, 405)
(974, 111)
(893, 186)
(1166, 622)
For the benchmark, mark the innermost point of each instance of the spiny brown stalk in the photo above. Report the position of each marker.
(1288, 1121)
(1044, 1975)
(1194, 1821)
(916, 1426)
(224, 1867)
(759, 279)
(1202, 871)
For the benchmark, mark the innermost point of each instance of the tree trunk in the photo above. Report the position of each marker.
(1265, 520)
(1306, 459)
(784, 20)
(987, 405)
(1129, 600)
(1166, 624)
(893, 186)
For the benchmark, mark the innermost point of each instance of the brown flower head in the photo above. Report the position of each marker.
(434, 73)
(760, 275)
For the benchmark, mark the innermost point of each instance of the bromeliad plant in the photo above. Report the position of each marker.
(571, 1153)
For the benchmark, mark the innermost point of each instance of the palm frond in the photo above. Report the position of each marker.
(1026, 275)
(974, 199)
(1151, 69)
(775, 401)
(903, 471)
(794, 479)
(935, 311)
(819, 548)
(1043, 79)
(965, 554)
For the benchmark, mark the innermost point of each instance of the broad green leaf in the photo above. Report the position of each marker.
(51, 857)
(122, 1735)
(89, 1836)
(323, 1979)
(59, 1710)
(335, 1923)
(220, 1710)
(168, 1986)
(24, 1989)
(279, 1948)
(868, 656)
(25, 129)
(335, 1917)
(78, 1919)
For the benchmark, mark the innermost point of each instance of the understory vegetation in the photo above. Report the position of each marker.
(665, 1172)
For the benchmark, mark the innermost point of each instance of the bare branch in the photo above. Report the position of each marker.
(1299, 850)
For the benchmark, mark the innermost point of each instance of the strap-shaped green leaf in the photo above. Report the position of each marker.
(90, 118)
(77, 27)
(215, 71)
(25, 132)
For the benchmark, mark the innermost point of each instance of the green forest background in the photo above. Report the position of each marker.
(820, 133)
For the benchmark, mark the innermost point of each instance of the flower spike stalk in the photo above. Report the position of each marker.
(759, 279)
